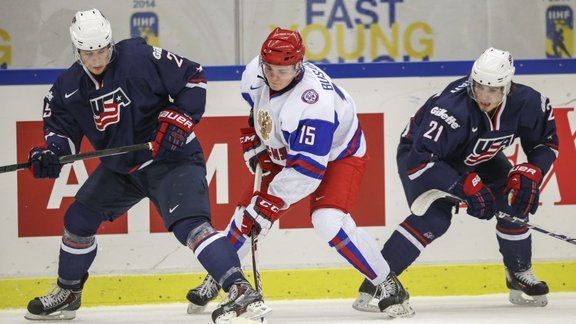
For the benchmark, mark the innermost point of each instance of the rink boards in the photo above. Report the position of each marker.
(136, 256)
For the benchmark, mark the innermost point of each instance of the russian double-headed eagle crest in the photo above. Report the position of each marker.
(265, 123)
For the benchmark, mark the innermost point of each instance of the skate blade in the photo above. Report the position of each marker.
(56, 316)
(366, 303)
(242, 320)
(403, 310)
(254, 314)
(517, 297)
(256, 310)
(195, 309)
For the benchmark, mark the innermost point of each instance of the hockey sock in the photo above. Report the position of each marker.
(515, 247)
(235, 236)
(76, 256)
(78, 248)
(400, 252)
(354, 244)
(413, 235)
(212, 249)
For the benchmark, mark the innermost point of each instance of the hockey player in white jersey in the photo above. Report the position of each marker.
(307, 139)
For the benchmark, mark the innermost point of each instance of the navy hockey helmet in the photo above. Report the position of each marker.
(282, 47)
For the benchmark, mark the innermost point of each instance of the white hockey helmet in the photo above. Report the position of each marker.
(89, 31)
(494, 68)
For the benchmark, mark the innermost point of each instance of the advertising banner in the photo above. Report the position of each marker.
(335, 31)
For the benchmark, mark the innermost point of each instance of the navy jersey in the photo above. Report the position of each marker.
(122, 108)
(449, 135)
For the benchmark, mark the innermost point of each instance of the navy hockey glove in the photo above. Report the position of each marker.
(254, 151)
(44, 163)
(172, 133)
(478, 197)
(523, 188)
(261, 213)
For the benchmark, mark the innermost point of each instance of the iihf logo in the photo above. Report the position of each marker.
(106, 109)
(145, 25)
(310, 96)
(559, 32)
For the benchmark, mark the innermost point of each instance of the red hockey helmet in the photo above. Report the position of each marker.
(282, 47)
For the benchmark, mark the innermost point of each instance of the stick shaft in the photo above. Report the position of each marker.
(423, 202)
(84, 156)
(253, 238)
(106, 152)
(535, 227)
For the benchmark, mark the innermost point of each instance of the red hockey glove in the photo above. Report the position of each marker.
(478, 197)
(171, 134)
(254, 151)
(523, 188)
(261, 213)
(44, 163)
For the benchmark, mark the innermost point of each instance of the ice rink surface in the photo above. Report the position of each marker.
(461, 309)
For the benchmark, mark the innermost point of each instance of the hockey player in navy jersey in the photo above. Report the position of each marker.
(306, 136)
(122, 94)
(454, 143)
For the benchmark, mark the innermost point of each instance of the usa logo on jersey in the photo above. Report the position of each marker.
(106, 109)
(486, 148)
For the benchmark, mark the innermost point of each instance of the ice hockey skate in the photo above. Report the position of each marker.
(389, 297)
(244, 305)
(200, 296)
(59, 304)
(526, 289)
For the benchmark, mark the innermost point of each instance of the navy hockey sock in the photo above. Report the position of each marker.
(76, 257)
(79, 247)
(212, 248)
(399, 252)
(414, 234)
(517, 254)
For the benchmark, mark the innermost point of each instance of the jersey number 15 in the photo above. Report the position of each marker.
(307, 135)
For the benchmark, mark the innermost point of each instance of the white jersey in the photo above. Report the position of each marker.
(304, 128)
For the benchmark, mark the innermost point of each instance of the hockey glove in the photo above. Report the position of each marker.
(478, 197)
(523, 188)
(261, 213)
(171, 134)
(44, 163)
(254, 151)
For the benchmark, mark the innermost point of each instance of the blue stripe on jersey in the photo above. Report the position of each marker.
(246, 97)
(339, 92)
(306, 165)
(313, 136)
(353, 145)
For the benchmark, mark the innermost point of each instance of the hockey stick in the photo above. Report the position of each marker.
(423, 202)
(253, 238)
(84, 156)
